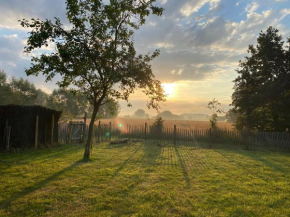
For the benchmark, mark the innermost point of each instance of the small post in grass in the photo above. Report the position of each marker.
(99, 132)
(36, 133)
(174, 135)
(145, 131)
(110, 131)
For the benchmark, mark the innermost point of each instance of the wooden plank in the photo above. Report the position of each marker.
(52, 129)
(36, 133)
(8, 131)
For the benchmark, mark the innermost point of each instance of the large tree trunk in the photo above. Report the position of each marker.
(90, 134)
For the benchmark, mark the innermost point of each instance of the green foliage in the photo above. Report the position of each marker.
(213, 121)
(20, 92)
(261, 90)
(75, 105)
(71, 105)
(96, 56)
(5, 90)
(231, 116)
(214, 107)
(25, 92)
(111, 109)
(157, 126)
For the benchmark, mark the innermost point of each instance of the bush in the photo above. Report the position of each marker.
(157, 126)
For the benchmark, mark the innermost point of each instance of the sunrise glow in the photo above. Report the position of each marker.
(169, 89)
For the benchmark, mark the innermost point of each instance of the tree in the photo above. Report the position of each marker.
(214, 107)
(71, 105)
(169, 115)
(24, 92)
(260, 91)
(19, 92)
(41, 98)
(109, 110)
(96, 57)
(5, 90)
(231, 116)
(157, 126)
(75, 105)
(140, 113)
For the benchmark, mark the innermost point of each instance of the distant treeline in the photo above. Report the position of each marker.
(168, 115)
(22, 92)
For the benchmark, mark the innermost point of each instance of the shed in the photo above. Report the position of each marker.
(23, 123)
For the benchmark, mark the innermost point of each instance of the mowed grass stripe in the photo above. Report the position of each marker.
(144, 179)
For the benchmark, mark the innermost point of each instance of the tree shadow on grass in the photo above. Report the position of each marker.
(41, 156)
(256, 156)
(249, 169)
(183, 168)
(37, 186)
(151, 153)
(123, 165)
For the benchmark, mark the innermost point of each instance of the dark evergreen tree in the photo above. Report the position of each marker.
(260, 91)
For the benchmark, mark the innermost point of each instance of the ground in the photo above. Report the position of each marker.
(144, 179)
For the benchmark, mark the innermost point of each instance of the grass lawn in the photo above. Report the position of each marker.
(143, 179)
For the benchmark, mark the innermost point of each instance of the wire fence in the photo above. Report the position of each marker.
(197, 138)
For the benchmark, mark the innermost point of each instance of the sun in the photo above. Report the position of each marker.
(168, 89)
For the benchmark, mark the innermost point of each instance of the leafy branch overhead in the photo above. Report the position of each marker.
(98, 51)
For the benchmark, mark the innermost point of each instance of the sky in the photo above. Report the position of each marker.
(201, 43)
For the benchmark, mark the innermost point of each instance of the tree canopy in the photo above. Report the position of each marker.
(140, 113)
(262, 89)
(214, 105)
(96, 56)
(19, 91)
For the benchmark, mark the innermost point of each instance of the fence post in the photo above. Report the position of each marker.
(5, 131)
(36, 133)
(247, 139)
(52, 128)
(110, 131)
(99, 132)
(145, 131)
(69, 132)
(85, 126)
(210, 138)
(174, 135)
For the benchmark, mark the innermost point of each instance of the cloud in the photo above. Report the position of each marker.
(14, 62)
(252, 7)
(185, 8)
(13, 10)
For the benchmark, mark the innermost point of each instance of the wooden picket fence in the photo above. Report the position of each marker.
(197, 138)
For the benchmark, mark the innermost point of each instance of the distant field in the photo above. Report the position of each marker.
(144, 179)
(184, 124)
